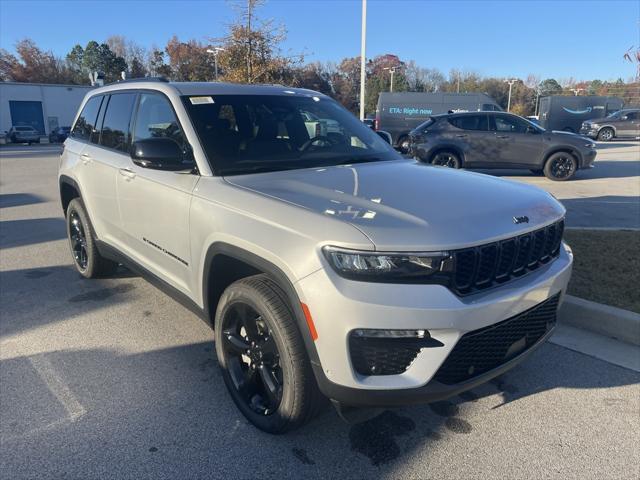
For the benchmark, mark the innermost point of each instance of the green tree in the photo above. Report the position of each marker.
(550, 87)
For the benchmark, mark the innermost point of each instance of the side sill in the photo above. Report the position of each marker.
(112, 253)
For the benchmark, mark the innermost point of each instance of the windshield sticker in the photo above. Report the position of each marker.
(200, 100)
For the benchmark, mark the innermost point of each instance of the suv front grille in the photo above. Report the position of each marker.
(482, 350)
(484, 266)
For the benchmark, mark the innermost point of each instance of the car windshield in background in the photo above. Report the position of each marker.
(258, 133)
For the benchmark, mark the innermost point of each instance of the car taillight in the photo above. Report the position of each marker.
(376, 123)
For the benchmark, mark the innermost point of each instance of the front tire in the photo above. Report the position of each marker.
(86, 258)
(560, 166)
(606, 134)
(262, 356)
(446, 158)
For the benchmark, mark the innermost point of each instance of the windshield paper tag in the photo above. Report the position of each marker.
(200, 100)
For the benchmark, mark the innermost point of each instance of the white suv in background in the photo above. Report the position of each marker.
(329, 266)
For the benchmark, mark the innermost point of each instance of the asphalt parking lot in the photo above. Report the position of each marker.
(112, 378)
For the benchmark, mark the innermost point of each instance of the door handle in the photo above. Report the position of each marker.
(462, 135)
(127, 172)
(502, 136)
(86, 158)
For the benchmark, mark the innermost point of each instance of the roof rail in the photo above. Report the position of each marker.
(142, 79)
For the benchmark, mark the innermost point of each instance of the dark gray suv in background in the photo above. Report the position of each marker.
(623, 123)
(500, 140)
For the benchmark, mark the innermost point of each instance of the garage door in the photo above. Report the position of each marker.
(27, 113)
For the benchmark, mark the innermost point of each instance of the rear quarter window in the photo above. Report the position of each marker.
(86, 123)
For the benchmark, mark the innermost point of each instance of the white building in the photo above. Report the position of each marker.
(43, 106)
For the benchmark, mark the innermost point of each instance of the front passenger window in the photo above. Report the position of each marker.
(156, 119)
(115, 126)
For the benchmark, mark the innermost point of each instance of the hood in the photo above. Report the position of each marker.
(406, 205)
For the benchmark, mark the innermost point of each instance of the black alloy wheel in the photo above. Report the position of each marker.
(78, 240)
(252, 358)
(446, 159)
(561, 166)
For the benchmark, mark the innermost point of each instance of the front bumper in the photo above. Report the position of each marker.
(589, 132)
(339, 306)
(589, 158)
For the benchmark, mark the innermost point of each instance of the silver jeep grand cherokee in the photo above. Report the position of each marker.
(329, 266)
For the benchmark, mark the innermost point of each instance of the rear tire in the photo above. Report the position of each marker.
(404, 144)
(86, 258)
(446, 158)
(263, 358)
(606, 134)
(560, 166)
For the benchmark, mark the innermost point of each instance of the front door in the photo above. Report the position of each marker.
(629, 125)
(518, 145)
(154, 204)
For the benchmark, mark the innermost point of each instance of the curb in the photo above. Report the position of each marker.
(603, 319)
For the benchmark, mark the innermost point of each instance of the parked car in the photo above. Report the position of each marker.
(330, 267)
(567, 112)
(370, 122)
(623, 123)
(400, 112)
(500, 140)
(24, 134)
(59, 135)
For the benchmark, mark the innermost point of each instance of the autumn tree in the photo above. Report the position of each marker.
(189, 61)
(251, 49)
(32, 65)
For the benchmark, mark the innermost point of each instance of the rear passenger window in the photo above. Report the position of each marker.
(86, 123)
(156, 118)
(117, 118)
(470, 122)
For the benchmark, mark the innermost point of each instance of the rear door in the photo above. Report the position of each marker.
(471, 134)
(518, 146)
(154, 204)
(629, 125)
(103, 156)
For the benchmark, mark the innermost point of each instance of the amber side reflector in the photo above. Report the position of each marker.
(307, 316)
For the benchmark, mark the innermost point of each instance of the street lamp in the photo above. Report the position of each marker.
(215, 51)
(392, 70)
(510, 82)
(363, 44)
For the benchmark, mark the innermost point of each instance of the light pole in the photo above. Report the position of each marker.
(215, 51)
(363, 44)
(510, 82)
(392, 71)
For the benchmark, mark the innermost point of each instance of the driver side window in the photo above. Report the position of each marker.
(510, 124)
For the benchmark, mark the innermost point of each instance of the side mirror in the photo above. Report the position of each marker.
(532, 130)
(386, 136)
(159, 153)
(624, 118)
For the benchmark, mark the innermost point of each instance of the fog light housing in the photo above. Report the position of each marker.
(381, 333)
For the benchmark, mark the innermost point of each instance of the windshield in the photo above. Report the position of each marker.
(614, 114)
(258, 133)
(534, 125)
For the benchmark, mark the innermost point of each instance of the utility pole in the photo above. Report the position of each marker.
(392, 71)
(510, 82)
(458, 82)
(215, 51)
(363, 44)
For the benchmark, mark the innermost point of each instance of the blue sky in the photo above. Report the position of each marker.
(581, 39)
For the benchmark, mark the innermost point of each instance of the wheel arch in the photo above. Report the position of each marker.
(69, 189)
(445, 147)
(566, 149)
(233, 263)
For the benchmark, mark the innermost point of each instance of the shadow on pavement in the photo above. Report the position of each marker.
(19, 199)
(17, 233)
(166, 413)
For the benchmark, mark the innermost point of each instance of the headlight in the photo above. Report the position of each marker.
(423, 267)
